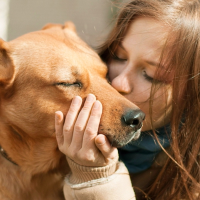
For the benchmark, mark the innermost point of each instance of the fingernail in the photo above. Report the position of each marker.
(57, 116)
(96, 105)
(90, 97)
(101, 139)
(76, 100)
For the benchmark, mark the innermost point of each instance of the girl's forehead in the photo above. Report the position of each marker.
(146, 32)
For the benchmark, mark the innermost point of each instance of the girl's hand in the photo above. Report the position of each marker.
(77, 135)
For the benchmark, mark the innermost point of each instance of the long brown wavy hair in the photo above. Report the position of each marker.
(180, 176)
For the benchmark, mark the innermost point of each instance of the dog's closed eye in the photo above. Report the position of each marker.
(64, 84)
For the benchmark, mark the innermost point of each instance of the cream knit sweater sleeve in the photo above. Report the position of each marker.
(111, 182)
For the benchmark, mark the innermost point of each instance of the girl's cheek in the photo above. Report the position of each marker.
(163, 99)
(140, 92)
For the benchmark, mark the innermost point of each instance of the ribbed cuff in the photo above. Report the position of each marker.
(81, 174)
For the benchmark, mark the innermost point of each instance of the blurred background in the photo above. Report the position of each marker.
(93, 18)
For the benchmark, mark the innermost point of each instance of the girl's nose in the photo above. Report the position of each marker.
(121, 84)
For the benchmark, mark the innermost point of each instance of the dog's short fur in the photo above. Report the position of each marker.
(40, 73)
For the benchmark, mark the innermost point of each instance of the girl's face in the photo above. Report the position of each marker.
(133, 67)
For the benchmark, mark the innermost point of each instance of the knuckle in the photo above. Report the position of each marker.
(89, 130)
(67, 129)
(78, 128)
(90, 158)
(87, 157)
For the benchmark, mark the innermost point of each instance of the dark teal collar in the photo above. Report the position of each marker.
(139, 155)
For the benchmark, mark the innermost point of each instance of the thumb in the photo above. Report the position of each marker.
(109, 152)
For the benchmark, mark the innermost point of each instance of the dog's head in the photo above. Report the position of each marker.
(40, 73)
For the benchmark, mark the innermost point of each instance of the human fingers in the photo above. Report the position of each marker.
(59, 128)
(70, 119)
(92, 127)
(110, 153)
(81, 122)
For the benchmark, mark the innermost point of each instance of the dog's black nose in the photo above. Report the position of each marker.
(134, 118)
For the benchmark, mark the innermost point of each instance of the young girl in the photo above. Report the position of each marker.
(153, 59)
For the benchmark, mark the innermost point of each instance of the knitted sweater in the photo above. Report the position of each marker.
(111, 182)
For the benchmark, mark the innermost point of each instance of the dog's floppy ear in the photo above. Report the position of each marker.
(51, 25)
(68, 25)
(6, 64)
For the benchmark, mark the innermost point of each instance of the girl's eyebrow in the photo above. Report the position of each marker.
(154, 63)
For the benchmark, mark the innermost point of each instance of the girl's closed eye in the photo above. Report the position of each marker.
(147, 77)
(155, 80)
(118, 58)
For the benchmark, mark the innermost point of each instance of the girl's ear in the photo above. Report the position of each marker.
(6, 64)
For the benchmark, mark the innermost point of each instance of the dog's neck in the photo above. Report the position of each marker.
(5, 155)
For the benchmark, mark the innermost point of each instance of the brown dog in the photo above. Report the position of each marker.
(40, 73)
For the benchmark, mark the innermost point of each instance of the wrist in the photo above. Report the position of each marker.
(80, 174)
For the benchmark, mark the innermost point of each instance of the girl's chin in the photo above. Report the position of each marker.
(157, 124)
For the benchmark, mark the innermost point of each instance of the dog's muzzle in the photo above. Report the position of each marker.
(132, 122)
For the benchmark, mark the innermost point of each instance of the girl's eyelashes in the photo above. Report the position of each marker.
(144, 74)
(116, 58)
(147, 77)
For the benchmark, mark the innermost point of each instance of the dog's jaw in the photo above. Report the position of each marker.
(119, 142)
